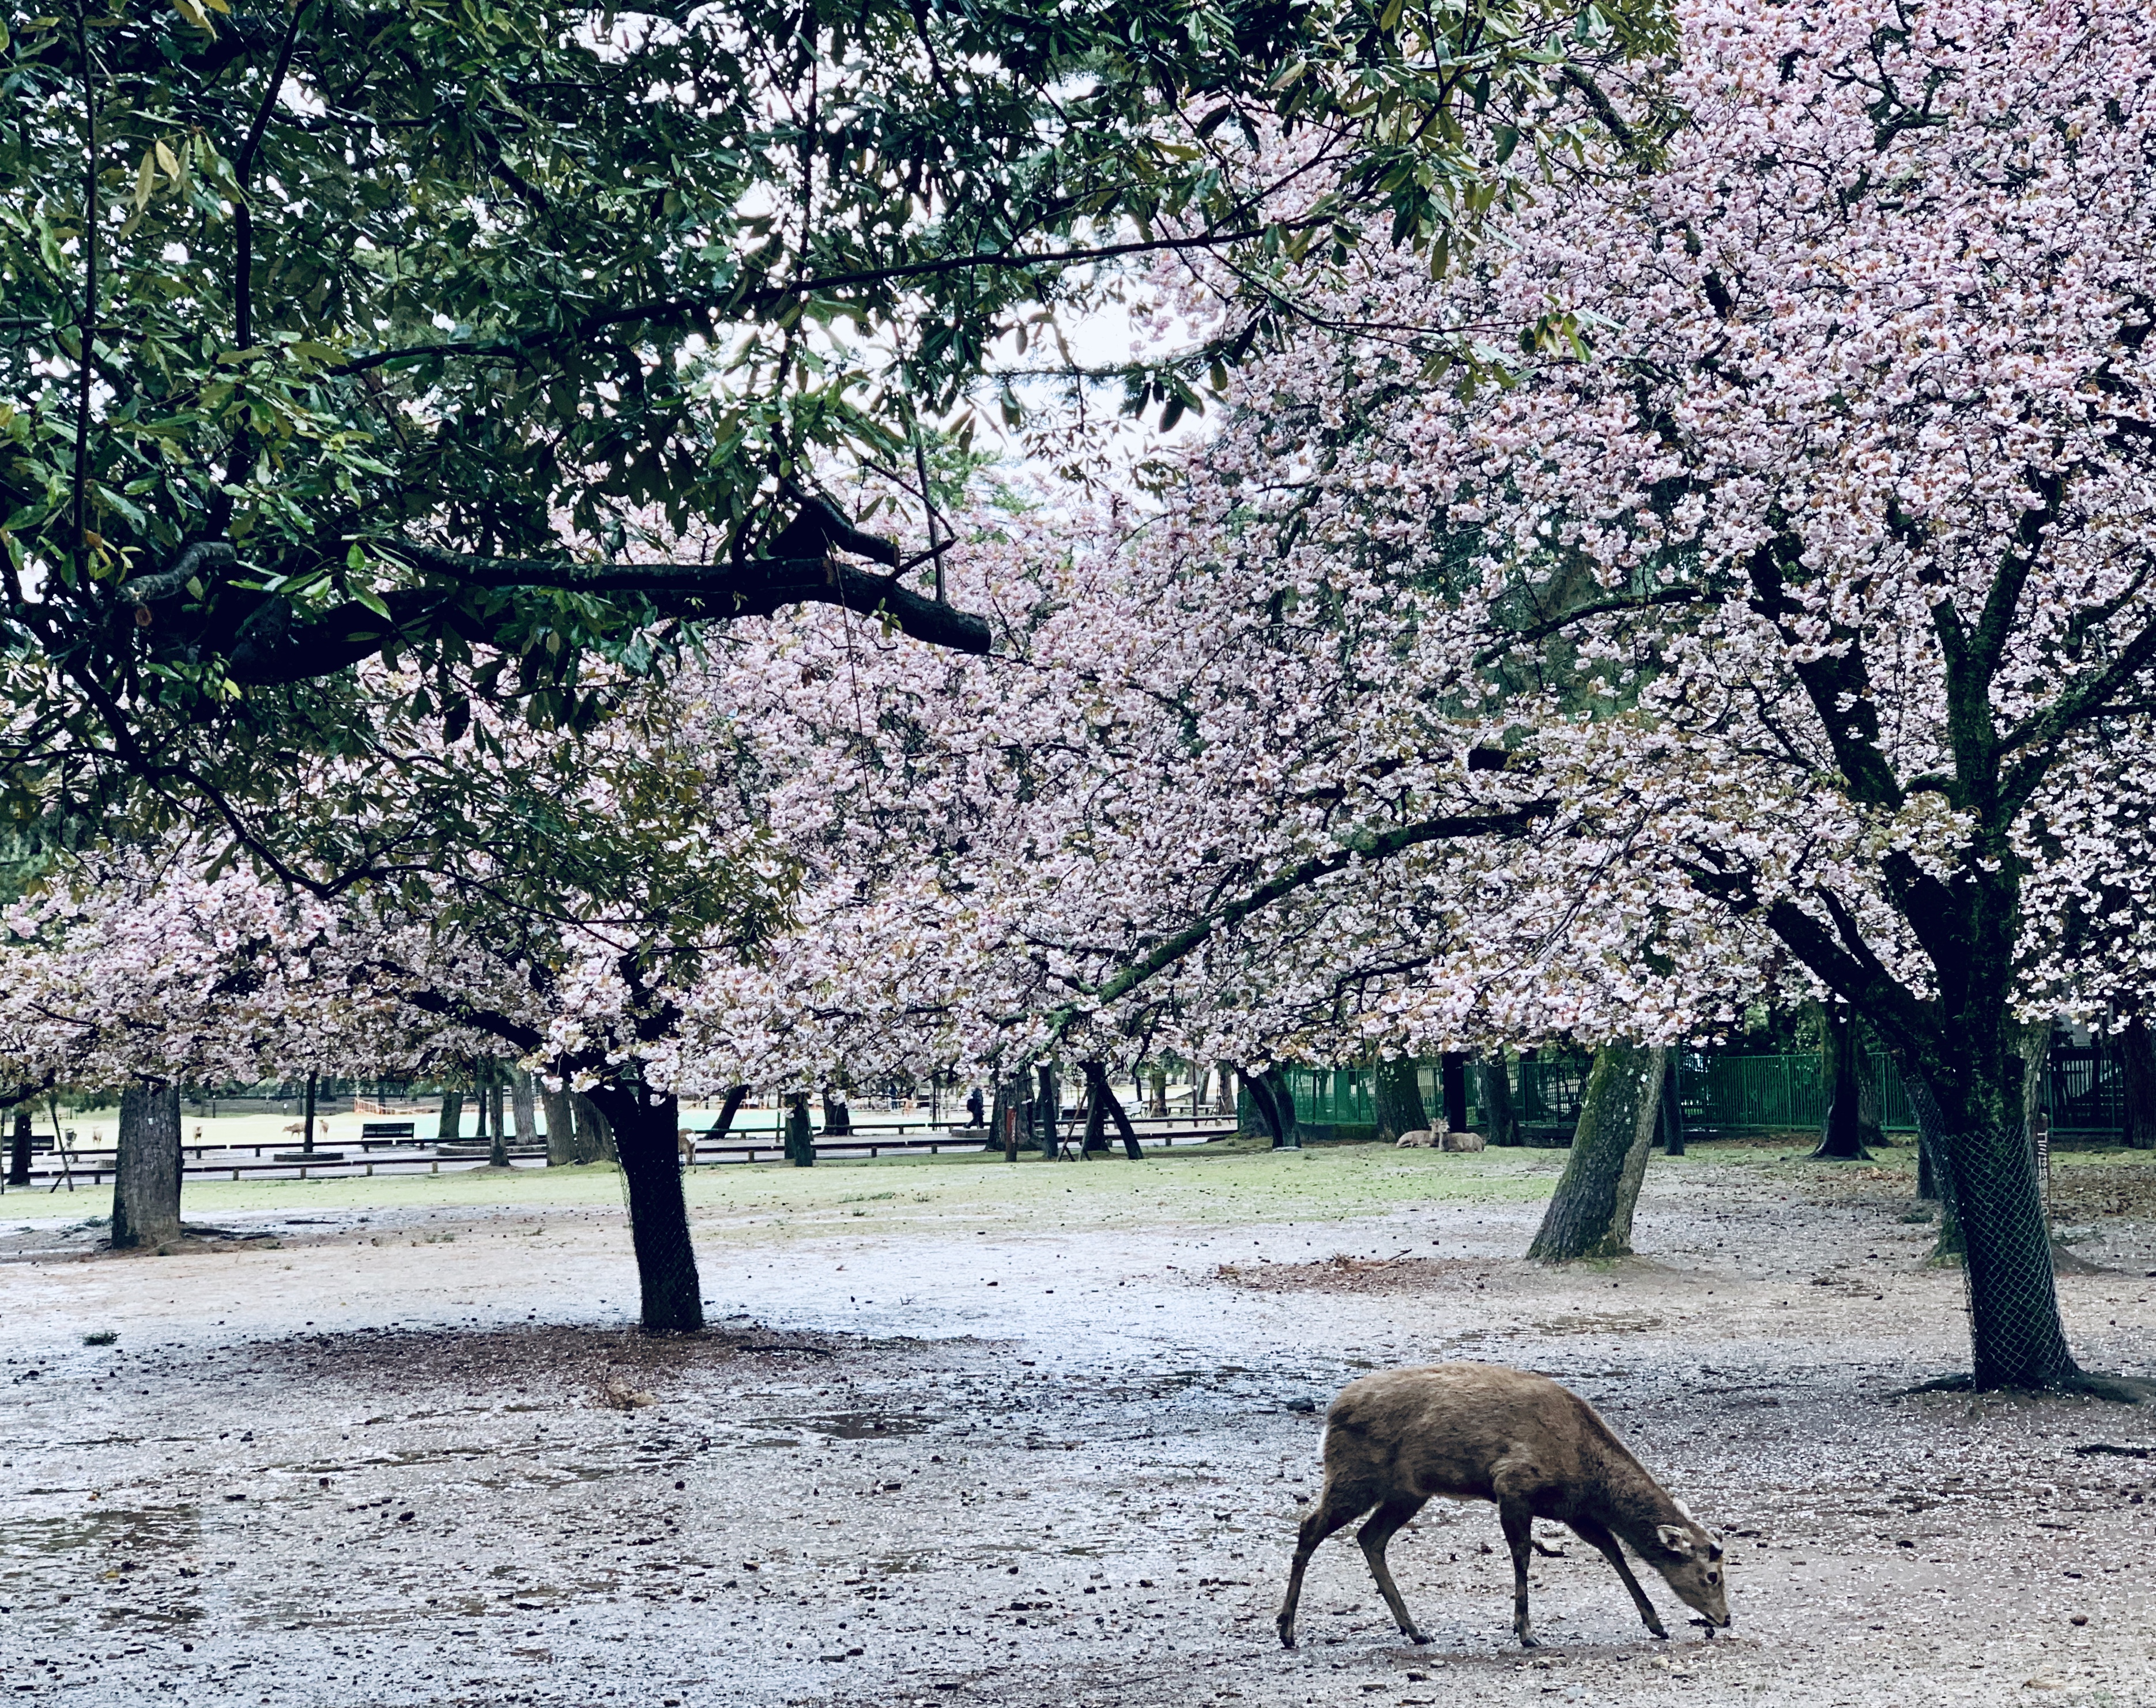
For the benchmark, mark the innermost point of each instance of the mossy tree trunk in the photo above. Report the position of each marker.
(522, 1107)
(449, 1126)
(561, 1128)
(1397, 1088)
(1494, 1092)
(594, 1131)
(1591, 1214)
(497, 1154)
(146, 1173)
(800, 1134)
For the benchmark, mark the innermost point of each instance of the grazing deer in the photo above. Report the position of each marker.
(1482, 1432)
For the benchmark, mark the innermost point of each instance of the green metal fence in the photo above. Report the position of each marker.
(1719, 1092)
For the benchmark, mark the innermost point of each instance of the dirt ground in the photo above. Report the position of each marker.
(972, 1434)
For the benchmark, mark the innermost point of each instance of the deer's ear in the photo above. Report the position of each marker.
(1676, 1538)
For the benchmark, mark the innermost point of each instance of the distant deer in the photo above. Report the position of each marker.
(1482, 1432)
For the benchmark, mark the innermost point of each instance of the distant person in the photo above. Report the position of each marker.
(976, 1108)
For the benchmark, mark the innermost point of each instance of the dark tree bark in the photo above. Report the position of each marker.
(1047, 1109)
(1590, 1215)
(1672, 1110)
(645, 1130)
(1156, 1094)
(1276, 1107)
(446, 1129)
(594, 1131)
(1226, 1105)
(1397, 1085)
(728, 1110)
(497, 1155)
(307, 1120)
(1094, 1142)
(1495, 1085)
(1261, 1103)
(800, 1134)
(522, 1106)
(1102, 1101)
(1841, 1133)
(561, 1128)
(146, 1173)
(1995, 1203)
(998, 1122)
(2136, 1050)
(18, 1151)
(1452, 1090)
(837, 1117)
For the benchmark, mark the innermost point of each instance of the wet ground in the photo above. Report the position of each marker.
(968, 1434)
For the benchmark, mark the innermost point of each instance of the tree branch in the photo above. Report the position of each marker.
(1378, 846)
(764, 301)
(1685, 595)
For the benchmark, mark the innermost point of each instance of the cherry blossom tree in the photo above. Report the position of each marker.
(1785, 615)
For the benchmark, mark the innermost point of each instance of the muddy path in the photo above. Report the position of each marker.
(974, 1436)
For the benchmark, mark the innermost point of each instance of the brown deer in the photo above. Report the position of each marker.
(1482, 1432)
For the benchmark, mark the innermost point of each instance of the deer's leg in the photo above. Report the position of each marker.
(1336, 1508)
(1518, 1520)
(1597, 1536)
(1384, 1523)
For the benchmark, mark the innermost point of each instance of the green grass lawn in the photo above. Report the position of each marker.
(1237, 1181)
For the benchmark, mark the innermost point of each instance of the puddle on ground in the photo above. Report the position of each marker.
(1614, 1324)
(113, 1527)
(852, 1426)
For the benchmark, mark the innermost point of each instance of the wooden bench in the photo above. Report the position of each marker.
(387, 1129)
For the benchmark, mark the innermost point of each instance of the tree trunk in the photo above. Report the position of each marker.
(1934, 1181)
(452, 1118)
(1590, 1215)
(837, 1117)
(1452, 1090)
(1841, 1133)
(1989, 1173)
(522, 1101)
(18, 1152)
(998, 1108)
(800, 1136)
(561, 1128)
(2137, 1049)
(1260, 1090)
(1047, 1109)
(497, 1155)
(1398, 1085)
(1672, 1110)
(306, 1121)
(728, 1110)
(146, 1173)
(1156, 1094)
(595, 1140)
(1227, 1103)
(1103, 1099)
(1495, 1095)
(644, 1135)
(1286, 1134)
